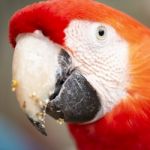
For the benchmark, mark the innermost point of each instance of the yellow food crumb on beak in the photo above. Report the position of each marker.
(60, 121)
(23, 105)
(40, 116)
(14, 85)
(37, 100)
(34, 97)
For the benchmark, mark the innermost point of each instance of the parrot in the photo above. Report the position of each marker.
(87, 64)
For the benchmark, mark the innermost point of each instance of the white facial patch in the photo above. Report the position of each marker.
(34, 72)
(102, 59)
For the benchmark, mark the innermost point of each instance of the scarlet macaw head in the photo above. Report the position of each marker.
(73, 60)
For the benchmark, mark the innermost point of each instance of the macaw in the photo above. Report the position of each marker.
(87, 64)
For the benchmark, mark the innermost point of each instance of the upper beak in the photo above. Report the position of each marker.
(35, 65)
(46, 81)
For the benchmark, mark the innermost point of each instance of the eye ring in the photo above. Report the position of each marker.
(101, 32)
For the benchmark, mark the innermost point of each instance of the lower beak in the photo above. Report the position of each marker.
(76, 102)
(46, 81)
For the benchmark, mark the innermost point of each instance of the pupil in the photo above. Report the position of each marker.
(101, 32)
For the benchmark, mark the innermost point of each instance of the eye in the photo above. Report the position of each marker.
(101, 32)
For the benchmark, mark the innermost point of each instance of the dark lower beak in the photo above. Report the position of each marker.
(74, 100)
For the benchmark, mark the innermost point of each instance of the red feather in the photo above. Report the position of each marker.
(127, 127)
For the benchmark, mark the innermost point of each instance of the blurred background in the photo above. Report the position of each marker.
(15, 130)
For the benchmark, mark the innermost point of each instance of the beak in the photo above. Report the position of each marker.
(47, 82)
